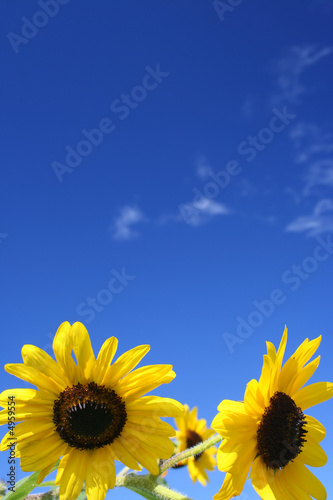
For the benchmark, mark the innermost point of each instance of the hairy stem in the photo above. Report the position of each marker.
(148, 484)
(190, 452)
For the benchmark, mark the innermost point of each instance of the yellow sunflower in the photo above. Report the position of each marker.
(270, 434)
(192, 432)
(89, 413)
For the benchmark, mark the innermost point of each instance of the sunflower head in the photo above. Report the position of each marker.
(191, 432)
(269, 435)
(88, 413)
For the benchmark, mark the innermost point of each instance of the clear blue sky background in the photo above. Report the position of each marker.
(141, 201)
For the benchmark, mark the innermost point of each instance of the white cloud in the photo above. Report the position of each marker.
(128, 217)
(320, 173)
(313, 149)
(293, 193)
(309, 140)
(290, 68)
(202, 168)
(320, 221)
(247, 188)
(196, 214)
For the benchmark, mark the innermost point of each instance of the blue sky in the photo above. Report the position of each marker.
(167, 178)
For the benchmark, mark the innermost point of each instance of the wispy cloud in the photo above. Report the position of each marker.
(201, 212)
(288, 69)
(320, 221)
(309, 140)
(247, 188)
(203, 168)
(313, 148)
(123, 225)
(320, 174)
(313, 151)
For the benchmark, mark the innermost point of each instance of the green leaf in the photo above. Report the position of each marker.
(46, 484)
(82, 495)
(26, 485)
(149, 495)
(23, 487)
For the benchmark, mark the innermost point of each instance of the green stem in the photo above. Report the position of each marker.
(190, 452)
(47, 495)
(147, 484)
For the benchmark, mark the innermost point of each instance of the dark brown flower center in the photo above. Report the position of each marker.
(193, 438)
(89, 416)
(280, 434)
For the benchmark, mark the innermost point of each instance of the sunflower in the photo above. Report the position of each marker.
(192, 432)
(89, 413)
(269, 433)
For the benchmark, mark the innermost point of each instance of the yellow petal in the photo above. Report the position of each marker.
(101, 474)
(252, 405)
(303, 376)
(83, 352)
(288, 483)
(265, 380)
(42, 362)
(296, 362)
(62, 347)
(193, 470)
(26, 412)
(236, 426)
(263, 481)
(104, 359)
(193, 416)
(44, 472)
(124, 456)
(282, 489)
(144, 380)
(271, 351)
(161, 447)
(306, 479)
(61, 468)
(232, 485)
(313, 394)
(43, 457)
(312, 454)
(37, 447)
(73, 475)
(24, 395)
(140, 453)
(228, 404)
(124, 364)
(150, 425)
(163, 407)
(30, 429)
(200, 426)
(316, 430)
(236, 457)
(33, 376)
(282, 348)
(304, 353)
(207, 433)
